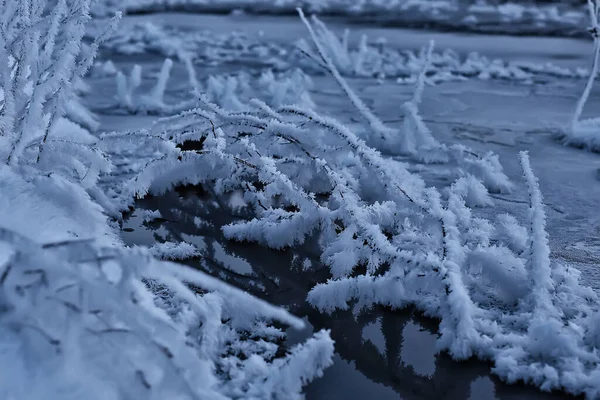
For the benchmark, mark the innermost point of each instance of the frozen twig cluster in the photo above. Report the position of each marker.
(229, 91)
(153, 102)
(80, 316)
(40, 69)
(127, 326)
(378, 59)
(386, 237)
(586, 133)
(414, 139)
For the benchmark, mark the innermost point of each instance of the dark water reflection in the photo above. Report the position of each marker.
(381, 354)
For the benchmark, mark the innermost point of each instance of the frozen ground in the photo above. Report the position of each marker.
(377, 356)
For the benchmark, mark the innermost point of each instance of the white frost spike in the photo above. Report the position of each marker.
(375, 123)
(538, 260)
(158, 92)
(595, 31)
(126, 87)
(586, 133)
(416, 138)
(420, 86)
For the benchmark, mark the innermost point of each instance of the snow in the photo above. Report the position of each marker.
(173, 251)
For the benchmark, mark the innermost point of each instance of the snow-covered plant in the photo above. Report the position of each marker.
(415, 139)
(229, 91)
(586, 133)
(79, 315)
(376, 59)
(371, 58)
(153, 102)
(386, 237)
(104, 69)
(233, 92)
(41, 70)
(79, 320)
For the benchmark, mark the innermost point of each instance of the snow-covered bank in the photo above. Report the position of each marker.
(566, 19)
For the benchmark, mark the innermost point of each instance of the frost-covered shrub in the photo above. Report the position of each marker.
(371, 58)
(199, 46)
(386, 237)
(586, 133)
(80, 320)
(229, 91)
(152, 102)
(79, 315)
(41, 75)
(414, 139)
(379, 60)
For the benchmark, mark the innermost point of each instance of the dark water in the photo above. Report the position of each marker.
(381, 354)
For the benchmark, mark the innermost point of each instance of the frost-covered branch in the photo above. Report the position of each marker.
(538, 253)
(43, 62)
(131, 326)
(387, 238)
(586, 133)
(415, 138)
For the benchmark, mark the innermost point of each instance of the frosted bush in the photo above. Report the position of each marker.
(151, 103)
(277, 89)
(52, 166)
(117, 324)
(386, 237)
(230, 91)
(377, 59)
(370, 58)
(41, 75)
(414, 139)
(586, 133)
(79, 315)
